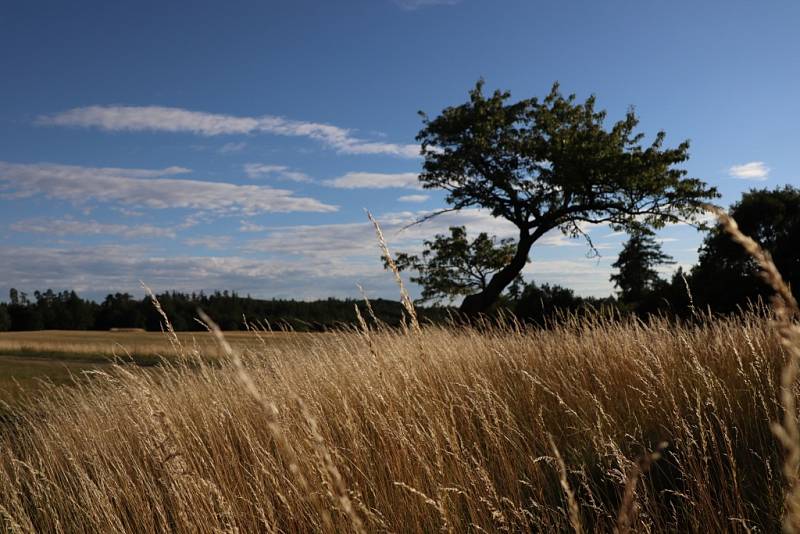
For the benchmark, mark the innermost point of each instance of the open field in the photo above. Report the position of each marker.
(29, 358)
(101, 346)
(451, 429)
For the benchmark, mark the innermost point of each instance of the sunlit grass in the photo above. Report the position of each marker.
(453, 429)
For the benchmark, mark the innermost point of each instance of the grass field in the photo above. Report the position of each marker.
(29, 360)
(448, 429)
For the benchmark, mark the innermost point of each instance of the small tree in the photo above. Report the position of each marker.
(552, 164)
(451, 266)
(542, 304)
(636, 275)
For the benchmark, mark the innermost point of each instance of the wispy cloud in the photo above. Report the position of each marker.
(248, 226)
(229, 148)
(375, 180)
(68, 226)
(281, 172)
(166, 119)
(212, 242)
(147, 188)
(413, 198)
(353, 239)
(754, 170)
(308, 261)
(97, 270)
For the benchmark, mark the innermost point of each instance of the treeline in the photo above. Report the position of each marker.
(547, 304)
(66, 310)
(724, 280)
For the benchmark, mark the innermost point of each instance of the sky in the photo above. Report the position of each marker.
(235, 145)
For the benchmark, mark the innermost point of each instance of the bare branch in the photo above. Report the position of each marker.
(428, 217)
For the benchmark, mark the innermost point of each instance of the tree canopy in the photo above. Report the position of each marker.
(552, 164)
(725, 277)
(636, 275)
(451, 265)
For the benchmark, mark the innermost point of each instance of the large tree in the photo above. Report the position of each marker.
(452, 266)
(725, 276)
(636, 275)
(552, 164)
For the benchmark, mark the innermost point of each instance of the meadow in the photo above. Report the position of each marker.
(455, 429)
(32, 360)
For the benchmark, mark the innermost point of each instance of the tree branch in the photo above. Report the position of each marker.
(428, 217)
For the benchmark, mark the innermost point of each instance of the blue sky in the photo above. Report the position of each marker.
(234, 145)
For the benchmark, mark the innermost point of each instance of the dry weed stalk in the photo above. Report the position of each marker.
(627, 509)
(572, 504)
(167, 324)
(786, 309)
(405, 298)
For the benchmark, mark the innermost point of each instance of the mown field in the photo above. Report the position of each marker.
(31, 360)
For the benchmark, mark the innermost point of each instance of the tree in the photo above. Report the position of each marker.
(542, 304)
(726, 277)
(5, 318)
(551, 164)
(452, 266)
(636, 275)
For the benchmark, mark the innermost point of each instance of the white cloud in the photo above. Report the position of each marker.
(358, 239)
(615, 234)
(309, 261)
(146, 188)
(413, 198)
(128, 212)
(586, 277)
(97, 270)
(68, 226)
(260, 170)
(212, 242)
(557, 239)
(755, 170)
(248, 226)
(166, 119)
(228, 148)
(375, 180)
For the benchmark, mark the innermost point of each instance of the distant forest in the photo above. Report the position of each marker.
(66, 310)
(725, 280)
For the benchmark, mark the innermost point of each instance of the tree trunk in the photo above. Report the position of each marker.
(481, 302)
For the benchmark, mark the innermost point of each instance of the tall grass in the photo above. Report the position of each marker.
(452, 429)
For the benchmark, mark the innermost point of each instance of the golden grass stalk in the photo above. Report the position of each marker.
(572, 504)
(786, 308)
(405, 298)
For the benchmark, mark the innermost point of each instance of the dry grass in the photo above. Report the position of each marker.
(30, 361)
(103, 346)
(452, 429)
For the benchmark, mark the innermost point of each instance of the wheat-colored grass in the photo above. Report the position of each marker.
(452, 429)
